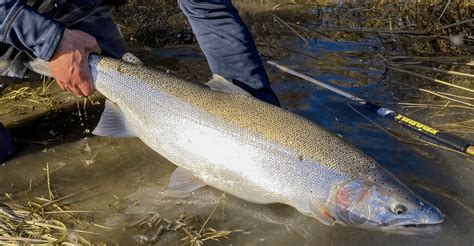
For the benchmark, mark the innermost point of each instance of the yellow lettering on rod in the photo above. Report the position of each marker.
(416, 124)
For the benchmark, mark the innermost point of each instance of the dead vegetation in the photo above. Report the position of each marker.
(51, 219)
(425, 46)
(44, 219)
(189, 229)
(27, 97)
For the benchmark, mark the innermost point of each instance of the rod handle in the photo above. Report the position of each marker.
(453, 141)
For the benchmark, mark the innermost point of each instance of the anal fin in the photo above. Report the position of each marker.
(184, 180)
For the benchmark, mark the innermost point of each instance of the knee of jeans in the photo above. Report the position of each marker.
(203, 8)
(184, 5)
(189, 8)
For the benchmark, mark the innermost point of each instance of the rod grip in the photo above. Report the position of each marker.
(453, 141)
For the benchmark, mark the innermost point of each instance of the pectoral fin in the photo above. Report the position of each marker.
(184, 180)
(320, 212)
(113, 123)
(219, 83)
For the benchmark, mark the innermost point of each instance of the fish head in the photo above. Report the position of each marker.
(382, 202)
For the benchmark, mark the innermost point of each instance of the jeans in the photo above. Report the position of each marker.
(228, 45)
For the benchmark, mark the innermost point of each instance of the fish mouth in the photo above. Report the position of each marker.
(433, 218)
(414, 225)
(423, 230)
(401, 225)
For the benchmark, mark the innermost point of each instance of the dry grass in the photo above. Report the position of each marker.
(189, 229)
(426, 46)
(42, 220)
(49, 220)
(28, 97)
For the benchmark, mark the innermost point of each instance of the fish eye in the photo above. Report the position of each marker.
(399, 209)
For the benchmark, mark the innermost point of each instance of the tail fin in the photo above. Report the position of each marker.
(39, 66)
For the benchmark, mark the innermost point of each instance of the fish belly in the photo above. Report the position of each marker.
(224, 155)
(235, 161)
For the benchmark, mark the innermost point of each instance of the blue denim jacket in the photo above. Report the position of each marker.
(26, 29)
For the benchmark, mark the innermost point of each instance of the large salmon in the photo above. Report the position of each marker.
(224, 138)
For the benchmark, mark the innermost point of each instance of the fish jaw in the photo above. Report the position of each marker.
(382, 205)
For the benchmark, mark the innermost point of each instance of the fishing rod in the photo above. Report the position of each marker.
(450, 140)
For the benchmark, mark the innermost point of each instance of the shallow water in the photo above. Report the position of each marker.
(125, 180)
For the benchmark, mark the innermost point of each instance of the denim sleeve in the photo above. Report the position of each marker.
(26, 29)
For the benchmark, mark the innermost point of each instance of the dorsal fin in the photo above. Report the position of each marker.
(219, 83)
(113, 123)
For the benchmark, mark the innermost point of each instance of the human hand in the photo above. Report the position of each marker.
(69, 63)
